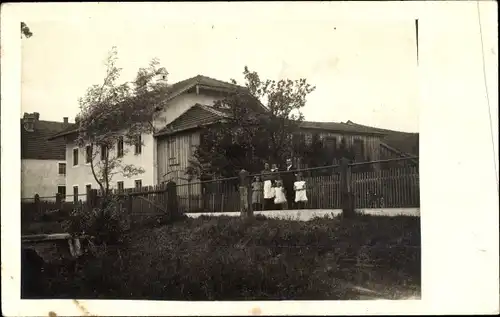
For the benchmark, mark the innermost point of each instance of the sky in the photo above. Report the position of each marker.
(364, 71)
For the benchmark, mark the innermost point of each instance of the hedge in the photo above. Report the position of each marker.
(225, 258)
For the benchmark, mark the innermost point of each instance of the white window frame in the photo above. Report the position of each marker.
(73, 156)
(73, 192)
(59, 168)
(135, 184)
(85, 158)
(122, 139)
(140, 146)
(65, 192)
(118, 187)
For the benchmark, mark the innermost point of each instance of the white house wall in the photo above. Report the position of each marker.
(40, 177)
(181, 104)
(81, 175)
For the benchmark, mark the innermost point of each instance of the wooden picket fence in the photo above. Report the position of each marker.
(397, 187)
(392, 188)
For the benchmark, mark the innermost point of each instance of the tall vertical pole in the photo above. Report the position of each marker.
(416, 36)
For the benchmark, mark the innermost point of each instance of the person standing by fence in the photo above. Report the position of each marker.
(300, 192)
(268, 178)
(288, 182)
(279, 199)
(257, 188)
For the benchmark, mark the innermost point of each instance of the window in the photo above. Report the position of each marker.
(138, 145)
(138, 183)
(331, 144)
(120, 186)
(359, 149)
(75, 157)
(119, 147)
(62, 168)
(88, 154)
(103, 152)
(61, 190)
(173, 151)
(88, 187)
(75, 194)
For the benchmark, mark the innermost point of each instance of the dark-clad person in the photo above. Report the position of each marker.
(288, 177)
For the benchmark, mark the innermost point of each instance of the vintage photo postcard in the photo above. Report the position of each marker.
(249, 158)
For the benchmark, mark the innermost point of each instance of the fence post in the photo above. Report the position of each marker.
(36, 199)
(172, 206)
(346, 194)
(59, 201)
(246, 208)
(189, 196)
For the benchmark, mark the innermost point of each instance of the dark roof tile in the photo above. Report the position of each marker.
(199, 115)
(195, 117)
(405, 142)
(35, 145)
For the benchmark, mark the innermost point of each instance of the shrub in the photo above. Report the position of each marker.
(106, 224)
(225, 258)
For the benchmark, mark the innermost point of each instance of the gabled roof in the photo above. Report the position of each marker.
(195, 117)
(180, 88)
(200, 115)
(185, 85)
(35, 145)
(406, 143)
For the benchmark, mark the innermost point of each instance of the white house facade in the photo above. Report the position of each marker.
(183, 96)
(43, 162)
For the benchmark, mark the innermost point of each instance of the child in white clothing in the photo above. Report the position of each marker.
(279, 198)
(300, 191)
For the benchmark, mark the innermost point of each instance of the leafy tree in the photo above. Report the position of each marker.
(25, 30)
(112, 113)
(246, 138)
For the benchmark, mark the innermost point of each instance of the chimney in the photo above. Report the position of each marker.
(29, 121)
(65, 120)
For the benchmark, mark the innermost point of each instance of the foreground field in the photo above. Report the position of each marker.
(225, 258)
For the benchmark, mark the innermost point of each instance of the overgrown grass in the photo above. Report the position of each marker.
(226, 258)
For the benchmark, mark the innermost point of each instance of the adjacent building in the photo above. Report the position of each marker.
(43, 162)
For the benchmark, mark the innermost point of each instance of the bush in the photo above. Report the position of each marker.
(106, 224)
(225, 258)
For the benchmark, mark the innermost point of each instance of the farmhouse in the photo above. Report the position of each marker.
(43, 162)
(189, 105)
(150, 155)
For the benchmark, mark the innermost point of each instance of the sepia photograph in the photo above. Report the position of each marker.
(220, 160)
(220, 181)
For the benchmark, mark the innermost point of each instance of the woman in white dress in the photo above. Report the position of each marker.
(280, 198)
(300, 191)
(268, 177)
